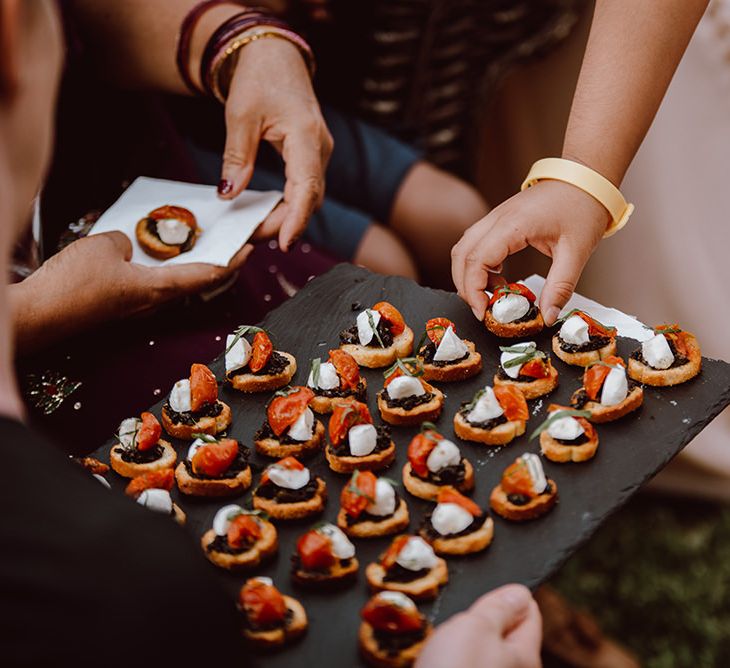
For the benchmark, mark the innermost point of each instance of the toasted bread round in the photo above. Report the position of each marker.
(514, 330)
(272, 447)
(643, 373)
(600, 413)
(294, 628)
(537, 388)
(468, 544)
(535, 508)
(376, 358)
(297, 510)
(450, 373)
(378, 658)
(132, 469)
(262, 549)
(338, 574)
(205, 425)
(559, 453)
(421, 589)
(584, 358)
(376, 461)
(424, 412)
(155, 247)
(323, 405)
(214, 487)
(500, 435)
(252, 382)
(429, 490)
(397, 522)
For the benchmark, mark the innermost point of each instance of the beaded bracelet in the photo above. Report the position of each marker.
(185, 34)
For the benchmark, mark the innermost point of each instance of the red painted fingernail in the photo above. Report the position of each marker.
(224, 187)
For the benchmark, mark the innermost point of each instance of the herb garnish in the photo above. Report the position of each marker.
(558, 415)
(371, 322)
(316, 364)
(242, 330)
(401, 363)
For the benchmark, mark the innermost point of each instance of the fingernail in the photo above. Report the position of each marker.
(516, 596)
(224, 187)
(552, 315)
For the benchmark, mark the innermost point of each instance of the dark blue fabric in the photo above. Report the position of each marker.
(365, 172)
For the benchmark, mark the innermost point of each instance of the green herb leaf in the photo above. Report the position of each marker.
(567, 412)
(518, 349)
(475, 398)
(285, 392)
(401, 364)
(316, 364)
(242, 330)
(666, 330)
(506, 290)
(371, 322)
(428, 426)
(205, 437)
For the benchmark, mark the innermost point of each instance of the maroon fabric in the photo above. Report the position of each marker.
(125, 367)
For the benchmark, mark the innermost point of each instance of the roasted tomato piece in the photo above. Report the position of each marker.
(516, 480)
(284, 409)
(347, 369)
(392, 316)
(261, 350)
(436, 328)
(176, 213)
(203, 387)
(450, 495)
(289, 463)
(214, 459)
(420, 448)
(149, 433)
(345, 415)
(315, 551)
(386, 616)
(413, 367)
(595, 328)
(243, 530)
(676, 337)
(595, 375)
(163, 479)
(391, 554)
(263, 603)
(512, 288)
(535, 368)
(358, 493)
(512, 401)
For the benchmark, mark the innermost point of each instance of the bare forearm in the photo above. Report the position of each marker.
(135, 41)
(632, 53)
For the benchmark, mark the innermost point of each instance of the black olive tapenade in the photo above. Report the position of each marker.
(428, 351)
(283, 623)
(184, 246)
(530, 315)
(396, 573)
(382, 328)
(406, 403)
(449, 475)
(383, 442)
(269, 490)
(275, 365)
(521, 378)
(486, 424)
(679, 359)
(595, 343)
(394, 643)
(580, 440)
(191, 417)
(266, 432)
(135, 456)
(337, 393)
(474, 526)
(221, 544)
(523, 500)
(580, 397)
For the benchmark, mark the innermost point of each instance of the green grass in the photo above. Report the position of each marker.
(657, 578)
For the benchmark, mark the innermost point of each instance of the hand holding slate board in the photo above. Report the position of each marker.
(631, 451)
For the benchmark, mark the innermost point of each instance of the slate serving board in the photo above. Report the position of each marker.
(631, 451)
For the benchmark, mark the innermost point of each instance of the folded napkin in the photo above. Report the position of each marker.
(226, 225)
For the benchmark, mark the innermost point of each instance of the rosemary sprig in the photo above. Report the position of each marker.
(528, 353)
(558, 415)
(506, 290)
(371, 322)
(133, 441)
(240, 331)
(316, 364)
(475, 398)
(519, 348)
(207, 438)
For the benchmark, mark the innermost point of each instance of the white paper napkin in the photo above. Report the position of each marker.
(226, 225)
(627, 325)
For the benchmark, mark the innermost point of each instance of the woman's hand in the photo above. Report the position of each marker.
(271, 98)
(501, 630)
(92, 281)
(558, 219)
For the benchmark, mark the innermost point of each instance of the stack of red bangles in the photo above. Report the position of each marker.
(221, 52)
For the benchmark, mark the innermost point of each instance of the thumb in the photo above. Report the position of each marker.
(560, 283)
(119, 241)
(239, 155)
(503, 608)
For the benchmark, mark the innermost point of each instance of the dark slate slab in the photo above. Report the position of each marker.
(630, 453)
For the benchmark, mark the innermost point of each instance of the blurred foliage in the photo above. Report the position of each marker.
(657, 578)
